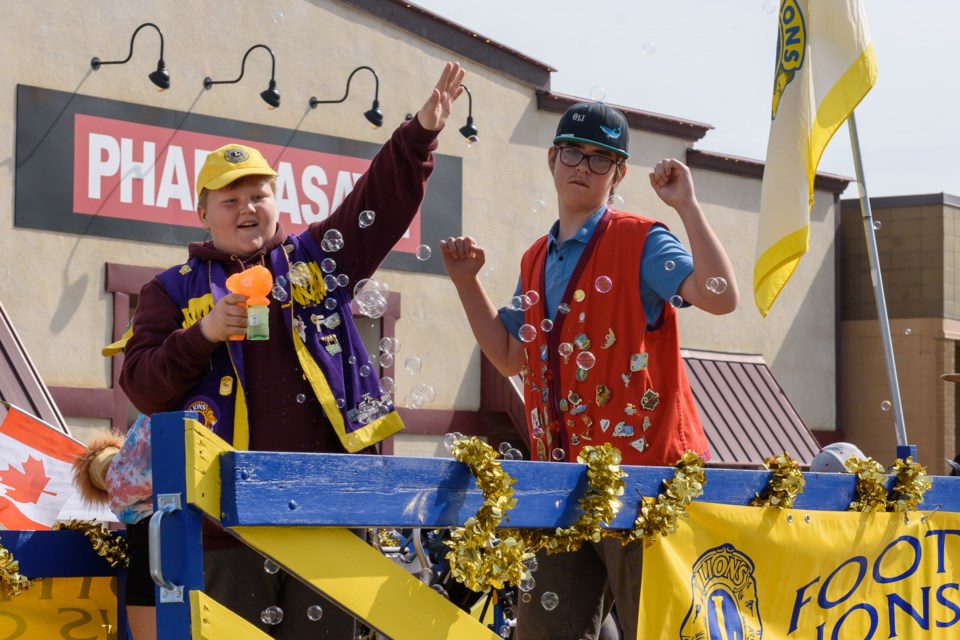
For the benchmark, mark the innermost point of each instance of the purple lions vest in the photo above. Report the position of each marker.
(361, 413)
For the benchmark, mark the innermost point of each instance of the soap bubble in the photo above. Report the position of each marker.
(330, 282)
(616, 202)
(528, 333)
(389, 345)
(301, 398)
(885, 405)
(366, 218)
(386, 360)
(343, 280)
(538, 206)
(603, 284)
(504, 447)
(314, 612)
(330, 304)
(563, 308)
(364, 370)
(549, 600)
(876, 225)
(387, 384)
(527, 585)
(586, 360)
(413, 365)
(532, 298)
(279, 293)
(716, 285)
(424, 252)
(676, 301)
(299, 274)
(272, 615)
(270, 566)
(565, 349)
(327, 265)
(546, 325)
(425, 392)
(598, 94)
(451, 439)
(333, 240)
(648, 48)
(558, 454)
(669, 265)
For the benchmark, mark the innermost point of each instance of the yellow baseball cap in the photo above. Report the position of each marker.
(230, 162)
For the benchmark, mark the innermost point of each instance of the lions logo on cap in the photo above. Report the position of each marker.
(236, 155)
(724, 604)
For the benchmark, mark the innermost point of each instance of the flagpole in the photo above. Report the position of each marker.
(903, 448)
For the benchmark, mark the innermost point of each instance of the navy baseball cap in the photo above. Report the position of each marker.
(595, 123)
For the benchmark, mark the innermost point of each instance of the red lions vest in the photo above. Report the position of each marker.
(597, 375)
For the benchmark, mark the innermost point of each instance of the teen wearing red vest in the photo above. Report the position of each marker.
(597, 345)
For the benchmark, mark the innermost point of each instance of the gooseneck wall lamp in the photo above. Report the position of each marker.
(374, 116)
(160, 77)
(469, 130)
(270, 95)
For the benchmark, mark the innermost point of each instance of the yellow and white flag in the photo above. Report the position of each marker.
(825, 65)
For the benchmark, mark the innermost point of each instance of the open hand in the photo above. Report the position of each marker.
(435, 111)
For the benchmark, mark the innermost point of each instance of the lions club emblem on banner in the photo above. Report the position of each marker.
(724, 603)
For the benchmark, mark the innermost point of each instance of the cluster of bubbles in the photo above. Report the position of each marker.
(509, 452)
(273, 615)
(716, 284)
(371, 297)
(388, 349)
(332, 241)
(298, 275)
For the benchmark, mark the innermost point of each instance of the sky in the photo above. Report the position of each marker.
(712, 61)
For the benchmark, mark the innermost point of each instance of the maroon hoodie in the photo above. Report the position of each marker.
(163, 360)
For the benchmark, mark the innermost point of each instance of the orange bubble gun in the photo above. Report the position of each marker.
(254, 283)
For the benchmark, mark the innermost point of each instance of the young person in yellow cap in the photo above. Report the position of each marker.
(594, 334)
(302, 389)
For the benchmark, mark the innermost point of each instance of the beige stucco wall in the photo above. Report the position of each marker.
(52, 284)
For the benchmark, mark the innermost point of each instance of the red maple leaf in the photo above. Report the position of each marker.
(27, 485)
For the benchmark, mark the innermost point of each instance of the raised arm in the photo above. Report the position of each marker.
(463, 258)
(672, 182)
(394, 185)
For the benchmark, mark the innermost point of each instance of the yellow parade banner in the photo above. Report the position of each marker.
(68, 608)
(745, 573)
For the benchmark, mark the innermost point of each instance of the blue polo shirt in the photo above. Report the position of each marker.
(657, 282)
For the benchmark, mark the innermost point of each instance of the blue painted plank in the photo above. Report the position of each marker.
(299, 489)
(55, 554)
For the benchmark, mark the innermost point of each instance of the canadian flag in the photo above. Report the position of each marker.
(35, 471)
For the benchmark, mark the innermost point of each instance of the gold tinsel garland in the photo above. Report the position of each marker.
(912, 482)
(658, 516)
(784, 485)
(871, 485)
(12, 582)
(599, 505)
(478, 557)
(111, 547)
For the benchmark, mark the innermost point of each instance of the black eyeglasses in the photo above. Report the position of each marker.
(572, 157)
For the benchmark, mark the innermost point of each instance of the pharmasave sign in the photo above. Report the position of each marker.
(101, 167)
